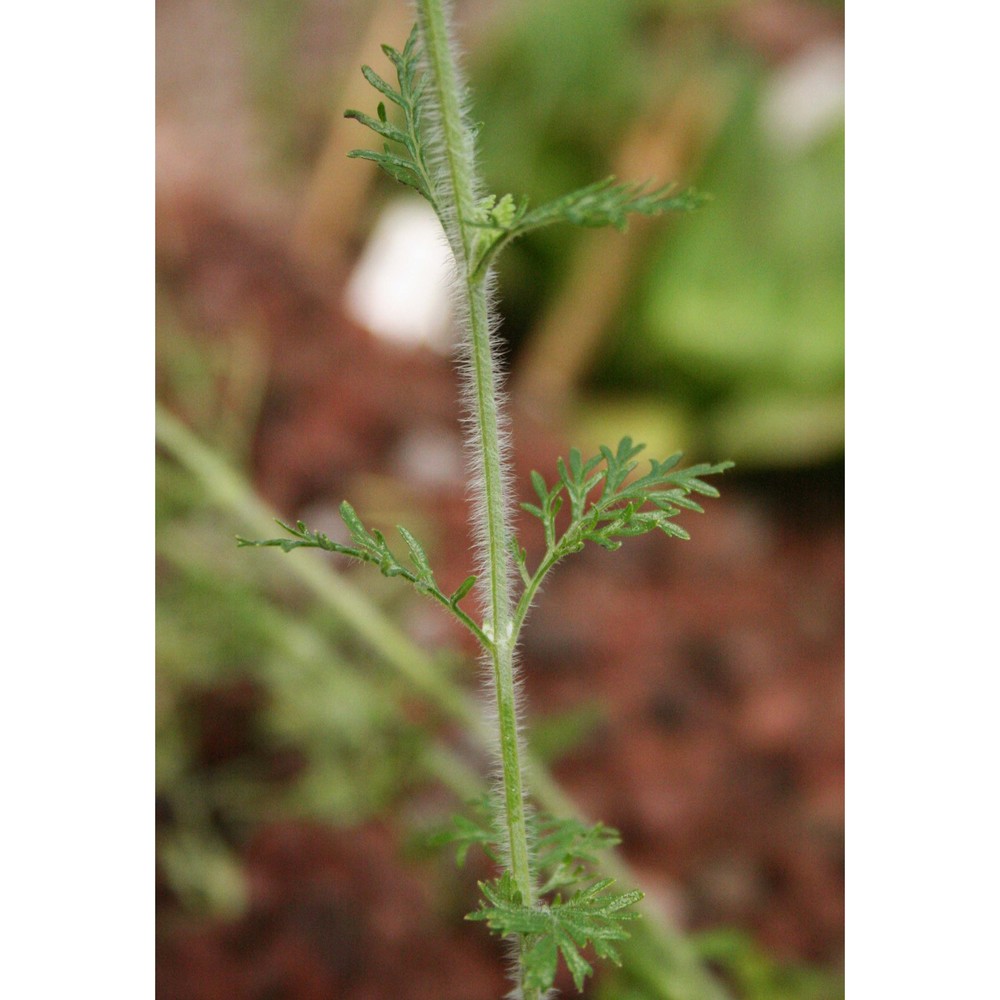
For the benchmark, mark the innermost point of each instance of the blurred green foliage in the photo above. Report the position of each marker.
(265, 707)
(746, 301)
(734, 315)
(757, 976)
(305, 734)
(730, 329)
(747, 970)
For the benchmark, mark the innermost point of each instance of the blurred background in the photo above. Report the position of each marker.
(315, 722)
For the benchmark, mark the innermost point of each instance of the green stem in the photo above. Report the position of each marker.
(528, 595)
(554, 552)
(457, 197)
(468, 622)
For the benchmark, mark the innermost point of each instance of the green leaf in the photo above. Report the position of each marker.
(607, 203)
(627, 507)
(604, 203)
(381, 126)
(567, 849)
(396, 167)
(575, 962)
(382, 87)
(540, 962)
(302, 538)
(463, 588)
(674, 530)
(417, 555)
(675, 498)
(408, 167)
(353, 523)
(590, 916)
(371, 547)
(465, 834)
(506, 212)
(538, 481)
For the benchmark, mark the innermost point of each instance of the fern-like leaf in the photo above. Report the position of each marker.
(465, 832)
(566, 855)
(566, 850)
(371, 547)
(591, 916)
(624, 508)
(402, 155)
(608, 203)
(604, 203)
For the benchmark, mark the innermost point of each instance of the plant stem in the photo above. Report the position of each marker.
(531, 588)
(502, 653)
(458, 197)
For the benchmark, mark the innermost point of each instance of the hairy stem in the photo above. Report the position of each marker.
(458, 194)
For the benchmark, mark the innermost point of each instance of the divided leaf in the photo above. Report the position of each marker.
(466, 833)
(496, 221)
(566, 850)
(371, 547)
(406, 165)
(566, 854)
(624, 508)
(608, 203)
(591, 916)
(302, 538)
(604, 203)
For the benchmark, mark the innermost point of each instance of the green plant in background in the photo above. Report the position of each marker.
(766, 343)
(548, 899)
(738, 313)
(758, 977)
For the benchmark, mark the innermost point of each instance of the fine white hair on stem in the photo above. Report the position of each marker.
(449, 144)
(450, 157)
(471, 423)
(451, 160)
(458, 193)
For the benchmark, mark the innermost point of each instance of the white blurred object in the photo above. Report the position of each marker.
(399, 289)
(431, 457)
(805, 98)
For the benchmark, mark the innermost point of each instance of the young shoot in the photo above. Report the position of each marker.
(547, 898)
